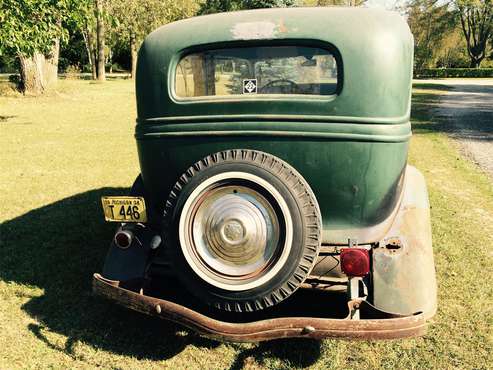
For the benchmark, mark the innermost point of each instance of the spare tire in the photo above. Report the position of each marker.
(243, 228)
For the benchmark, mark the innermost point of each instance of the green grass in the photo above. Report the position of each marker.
(61, 152)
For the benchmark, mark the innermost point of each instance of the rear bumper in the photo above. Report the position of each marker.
(375, 324)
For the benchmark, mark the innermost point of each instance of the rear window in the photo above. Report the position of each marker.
(257, 70)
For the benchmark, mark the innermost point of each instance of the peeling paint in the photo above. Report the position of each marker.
(254, 30)
(282, 27)
(404, 278)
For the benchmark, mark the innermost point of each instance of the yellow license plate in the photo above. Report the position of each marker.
(124, 209)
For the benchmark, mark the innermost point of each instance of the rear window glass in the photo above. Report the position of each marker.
(257, 70)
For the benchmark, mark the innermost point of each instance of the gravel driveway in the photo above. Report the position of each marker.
(467, 111)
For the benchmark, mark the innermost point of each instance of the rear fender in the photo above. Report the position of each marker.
(403, 267)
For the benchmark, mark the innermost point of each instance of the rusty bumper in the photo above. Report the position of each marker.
(379, 325)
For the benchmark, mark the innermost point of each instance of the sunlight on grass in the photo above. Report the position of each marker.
(76, 139)
(63, 151)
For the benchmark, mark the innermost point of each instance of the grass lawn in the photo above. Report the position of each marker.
(61, 152)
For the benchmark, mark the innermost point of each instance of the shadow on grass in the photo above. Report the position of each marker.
(431, 86)
(422, 118)
(425, 114)
(57, 248)
(298, 352)
(465, 113)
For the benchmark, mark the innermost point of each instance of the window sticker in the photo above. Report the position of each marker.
(250, 86)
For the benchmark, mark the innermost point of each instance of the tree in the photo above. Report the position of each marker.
(91, 18)
(452, 51)
(430, 22)
(31, 30)
(85, 21)
(476, 17)
(134, 19)
(100, 40)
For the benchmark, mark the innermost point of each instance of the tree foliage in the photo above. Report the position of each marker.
(132, 20)
(31, 31)
(137, 18)
(218, 6)
(31, 26)
(451, 52)
(430, 22)
(333, 2)
(448, 33)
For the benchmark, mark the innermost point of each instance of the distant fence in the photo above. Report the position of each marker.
(453, 72)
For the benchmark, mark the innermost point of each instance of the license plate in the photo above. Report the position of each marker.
(124, 209)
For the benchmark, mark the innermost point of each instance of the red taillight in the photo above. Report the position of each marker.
(355, 261)
(123, 239)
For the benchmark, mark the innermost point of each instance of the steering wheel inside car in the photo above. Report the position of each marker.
(281, 86)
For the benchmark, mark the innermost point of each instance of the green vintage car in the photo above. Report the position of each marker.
(273, 153)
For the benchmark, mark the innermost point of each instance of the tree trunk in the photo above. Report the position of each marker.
(475, 63)
(198, 74)
(31, 69)
(50, 67)
(100, 40)
(89, 43)
(39, 72)
(110, 61)
(94, 69)
(133, 55)
(210, 83)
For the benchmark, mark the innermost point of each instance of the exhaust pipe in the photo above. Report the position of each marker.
(123, 239)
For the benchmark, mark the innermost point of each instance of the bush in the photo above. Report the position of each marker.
(117, 68)
(10, 87)
(9, 63)
(453, 72)
(72, 72)
(15, 79)
(63, 64)
(86, 68)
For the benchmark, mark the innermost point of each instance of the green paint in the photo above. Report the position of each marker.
(351, 147)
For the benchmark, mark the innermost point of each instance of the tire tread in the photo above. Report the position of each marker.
(308, 207)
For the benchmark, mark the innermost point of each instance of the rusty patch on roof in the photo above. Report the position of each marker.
(254, 30)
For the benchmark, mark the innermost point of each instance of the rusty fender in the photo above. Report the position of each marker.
(403, 267)
(381, 325)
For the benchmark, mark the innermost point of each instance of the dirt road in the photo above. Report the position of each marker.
(467, 112)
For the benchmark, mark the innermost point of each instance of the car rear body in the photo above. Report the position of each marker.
(349, 140)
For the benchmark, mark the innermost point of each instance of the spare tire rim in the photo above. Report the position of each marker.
(235, 231)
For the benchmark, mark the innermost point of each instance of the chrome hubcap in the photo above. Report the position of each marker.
(235, 231)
